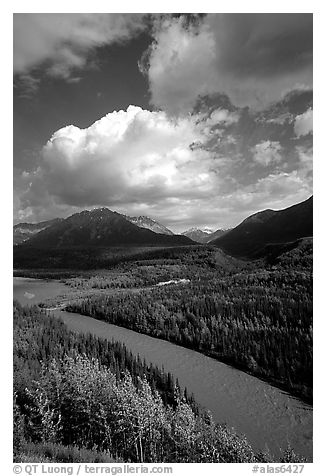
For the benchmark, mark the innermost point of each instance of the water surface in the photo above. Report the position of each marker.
(33, 291)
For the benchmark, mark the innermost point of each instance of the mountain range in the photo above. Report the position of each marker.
(99, 228)
(264, 231)
(24, 231)
(256, 236)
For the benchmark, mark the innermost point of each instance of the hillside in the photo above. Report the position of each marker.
(259, 233)
(216, 234)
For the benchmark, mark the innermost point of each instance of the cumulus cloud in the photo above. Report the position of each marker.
(267, 153)
(64, 40)
(147, 162)
(303, 123)
(127, 156)
(253, 58)
(142, 162)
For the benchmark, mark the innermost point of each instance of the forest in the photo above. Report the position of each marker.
(82, 399)
(256, 316)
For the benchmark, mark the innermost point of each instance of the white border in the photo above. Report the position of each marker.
(317, 7)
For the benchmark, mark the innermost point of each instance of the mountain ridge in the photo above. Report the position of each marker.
(144, 221)
(102, 227)
(23, 231)
(259, 232)
(99, 227)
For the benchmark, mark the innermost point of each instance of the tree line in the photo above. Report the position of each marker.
(257, 318)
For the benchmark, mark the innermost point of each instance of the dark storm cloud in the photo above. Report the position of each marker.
(255, 59)
(263, 45)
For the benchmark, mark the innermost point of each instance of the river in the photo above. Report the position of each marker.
(269, 417)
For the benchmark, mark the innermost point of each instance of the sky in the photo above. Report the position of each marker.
(193, 120)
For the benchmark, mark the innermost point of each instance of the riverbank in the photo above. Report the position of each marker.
(270, 418)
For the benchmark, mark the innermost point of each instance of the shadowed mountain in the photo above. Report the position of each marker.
(149, 224)
(100, 228)
(258, 234)
(216, 234)
(24, 231)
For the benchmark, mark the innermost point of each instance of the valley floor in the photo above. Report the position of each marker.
(256, 316)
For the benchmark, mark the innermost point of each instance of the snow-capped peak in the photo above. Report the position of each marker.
(150, 224)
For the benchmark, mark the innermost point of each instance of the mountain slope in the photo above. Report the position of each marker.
(255, 235)
(217, 234)
(24, 231)
(150, 224)
(99, 228)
